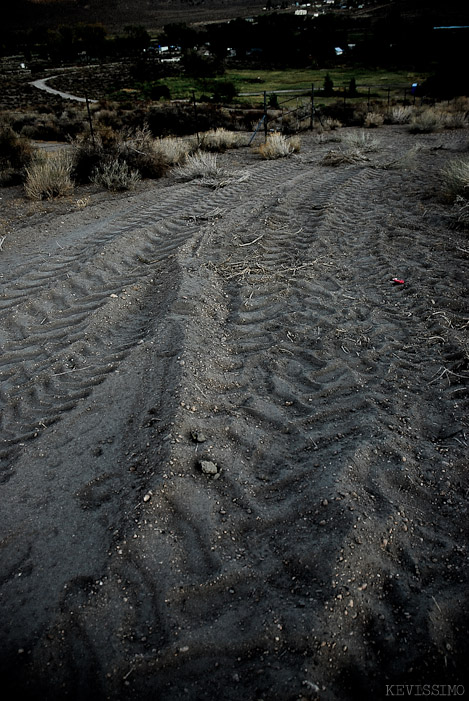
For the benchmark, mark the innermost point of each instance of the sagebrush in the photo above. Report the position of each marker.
(49, 176)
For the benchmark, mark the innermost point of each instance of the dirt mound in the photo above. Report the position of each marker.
(252, 328)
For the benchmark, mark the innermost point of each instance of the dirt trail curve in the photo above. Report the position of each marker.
(42, 85)
(254, 327)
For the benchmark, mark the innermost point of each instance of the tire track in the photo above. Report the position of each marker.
(291, 363)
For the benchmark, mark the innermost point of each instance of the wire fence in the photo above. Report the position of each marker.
(300, 109)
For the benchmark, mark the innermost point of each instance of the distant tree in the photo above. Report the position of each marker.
(199, 66)
(328, 87)
(137, 38)
(352, 88)
(225, 91)
(91, 38)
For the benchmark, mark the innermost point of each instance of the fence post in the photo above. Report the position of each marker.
(90, 120)
(345, 97)
(389, 96)
(368, 101)
(311, 124)
(265, 116)
(196, 117)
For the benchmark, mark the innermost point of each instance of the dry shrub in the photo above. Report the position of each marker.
(373, 120)
(339, 158)
(331, 124)
(428, 121)
(203, 167)
(141, 153)
(49, 176)
(360, 141)
(88, 154)
(138, 149)
(219, 140)
(172, 150)
(462, 212)
(116, 175)
(15, 154)
(455, 120)
(400, 115)
(278, 146)
(455, 179)
(199, 165)
(405, 162)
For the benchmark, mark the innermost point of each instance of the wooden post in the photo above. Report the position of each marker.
(368, 102)
(311, 124)
(265, 116)
(90, 120)
(196, 117)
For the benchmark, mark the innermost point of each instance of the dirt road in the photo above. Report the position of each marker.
(234, 457)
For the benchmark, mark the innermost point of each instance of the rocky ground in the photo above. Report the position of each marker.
(234, 452)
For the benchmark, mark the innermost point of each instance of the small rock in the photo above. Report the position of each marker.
(198, 437)
(147, 497)
(208, 467)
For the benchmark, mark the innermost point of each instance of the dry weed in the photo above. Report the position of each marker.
(116, 176)
(49, 176)
(373, 120)
(331, 124)
(199, 165)
(219, 140)
(405, 162)
(428, 121)
(339, 158)
(400, 115)
(455, 179)
(278, 146)
(173, 150)
(360, 141)
(462, 211)
(203, 167)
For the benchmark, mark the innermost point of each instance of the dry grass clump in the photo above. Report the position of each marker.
(357, 145)
(203, 166)
(427, 122)
(455, 120)
(219, 140)
(331, 124)
(462, 212)
(172, 150)
(360, 141)
(400, 114)
(373, 120)
(116, 175)
(199, 165)
(278, 146)
(455, 179)
(340, 158)
(405, 162)
(49, 176)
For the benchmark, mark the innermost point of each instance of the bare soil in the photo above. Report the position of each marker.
(252, 330)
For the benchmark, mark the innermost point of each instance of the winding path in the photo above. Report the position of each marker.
(42, 85)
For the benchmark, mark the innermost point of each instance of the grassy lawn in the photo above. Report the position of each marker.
(252, 81)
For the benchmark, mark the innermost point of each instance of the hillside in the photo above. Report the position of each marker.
(116, 14)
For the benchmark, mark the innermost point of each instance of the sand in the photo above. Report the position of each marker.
(252, 330)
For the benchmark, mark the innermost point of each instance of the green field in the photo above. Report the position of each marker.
(256, 81)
